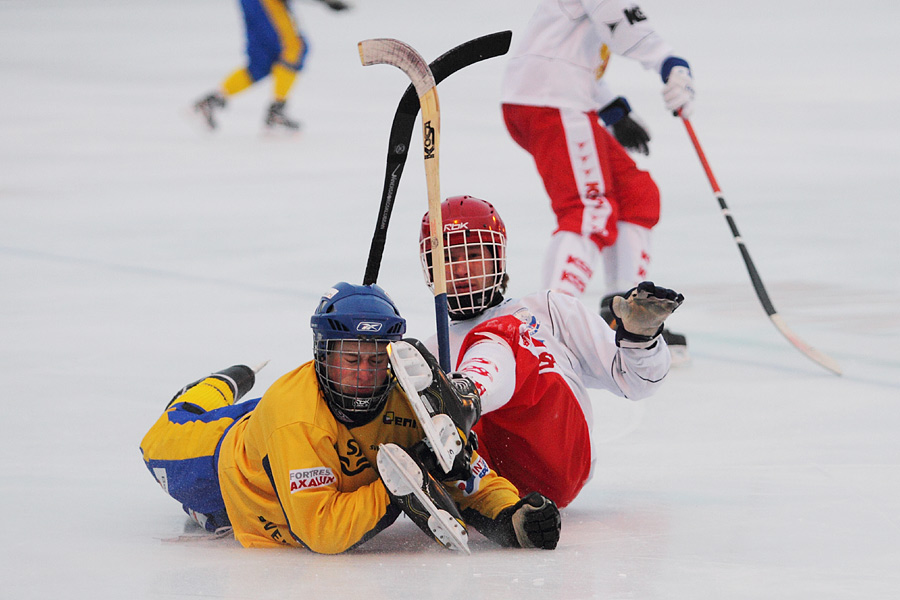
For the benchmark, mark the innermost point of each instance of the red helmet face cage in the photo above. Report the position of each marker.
(474, 251)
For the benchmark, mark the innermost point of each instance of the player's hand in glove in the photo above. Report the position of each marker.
(632, 135)
(678, 92)
(640, 314)
(336, 5)
(532, 522)
(627, 128)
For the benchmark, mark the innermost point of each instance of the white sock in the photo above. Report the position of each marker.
(569, 263)
(626, 263)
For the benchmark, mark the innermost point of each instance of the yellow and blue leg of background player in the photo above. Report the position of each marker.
(181, 450)
(274, 45)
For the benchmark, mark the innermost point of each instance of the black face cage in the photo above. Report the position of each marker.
(468, 291)
(354, 375)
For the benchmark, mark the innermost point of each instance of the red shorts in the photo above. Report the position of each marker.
(591, 180)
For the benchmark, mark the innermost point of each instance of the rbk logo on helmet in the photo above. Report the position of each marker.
(368, 327)
(456, 226)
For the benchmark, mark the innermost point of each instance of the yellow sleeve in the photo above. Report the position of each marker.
(291, 474)
(485, 491)
(324, 512)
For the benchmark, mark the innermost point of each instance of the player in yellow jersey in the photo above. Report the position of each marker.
(333, 451)
(275, 46)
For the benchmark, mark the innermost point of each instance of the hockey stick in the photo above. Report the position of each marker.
(405, 58)
(467, 53)
(761, 293)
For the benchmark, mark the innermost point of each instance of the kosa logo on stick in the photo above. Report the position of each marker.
(428, 139)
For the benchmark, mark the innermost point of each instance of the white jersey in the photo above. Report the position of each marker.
(581, 348)
(562, 54)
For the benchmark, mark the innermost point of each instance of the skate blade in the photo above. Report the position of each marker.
(402, 476)
(197, 121)
(281, 132)
(413, 376)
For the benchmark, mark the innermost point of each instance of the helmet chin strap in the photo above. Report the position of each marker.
(355, 418)
(461, 306)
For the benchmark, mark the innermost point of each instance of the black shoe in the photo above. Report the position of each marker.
(276, 118)
(677, 347)
(208, 106)
(606, 310)
(674, 339)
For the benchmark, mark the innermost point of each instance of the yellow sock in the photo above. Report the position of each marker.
(284, 79)
(238, 81)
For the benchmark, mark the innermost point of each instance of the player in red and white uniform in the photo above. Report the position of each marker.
(552, 93)
(533, 359)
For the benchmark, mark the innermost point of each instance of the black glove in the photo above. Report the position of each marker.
(631, 134)
(532, 522)
(336, 5)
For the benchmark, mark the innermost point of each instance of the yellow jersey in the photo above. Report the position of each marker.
(292, 474)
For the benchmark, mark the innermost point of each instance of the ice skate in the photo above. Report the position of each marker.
(276, 119)
(677, 347)
(207, 108)
(421, 498)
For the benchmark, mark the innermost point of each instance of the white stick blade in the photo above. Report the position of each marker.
(387, 51)
(810, 352)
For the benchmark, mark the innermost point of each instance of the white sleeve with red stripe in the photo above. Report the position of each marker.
(580, 343)
(490, 364)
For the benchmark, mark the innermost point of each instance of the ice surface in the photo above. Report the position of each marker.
(138, 253)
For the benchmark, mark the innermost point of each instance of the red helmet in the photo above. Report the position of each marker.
(475, 251)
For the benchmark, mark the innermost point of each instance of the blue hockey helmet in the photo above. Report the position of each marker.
(352, 327)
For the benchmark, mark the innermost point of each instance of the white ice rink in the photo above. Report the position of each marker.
(138, 253)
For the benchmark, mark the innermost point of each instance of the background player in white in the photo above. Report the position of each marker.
(532, 359)
(551, 94)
